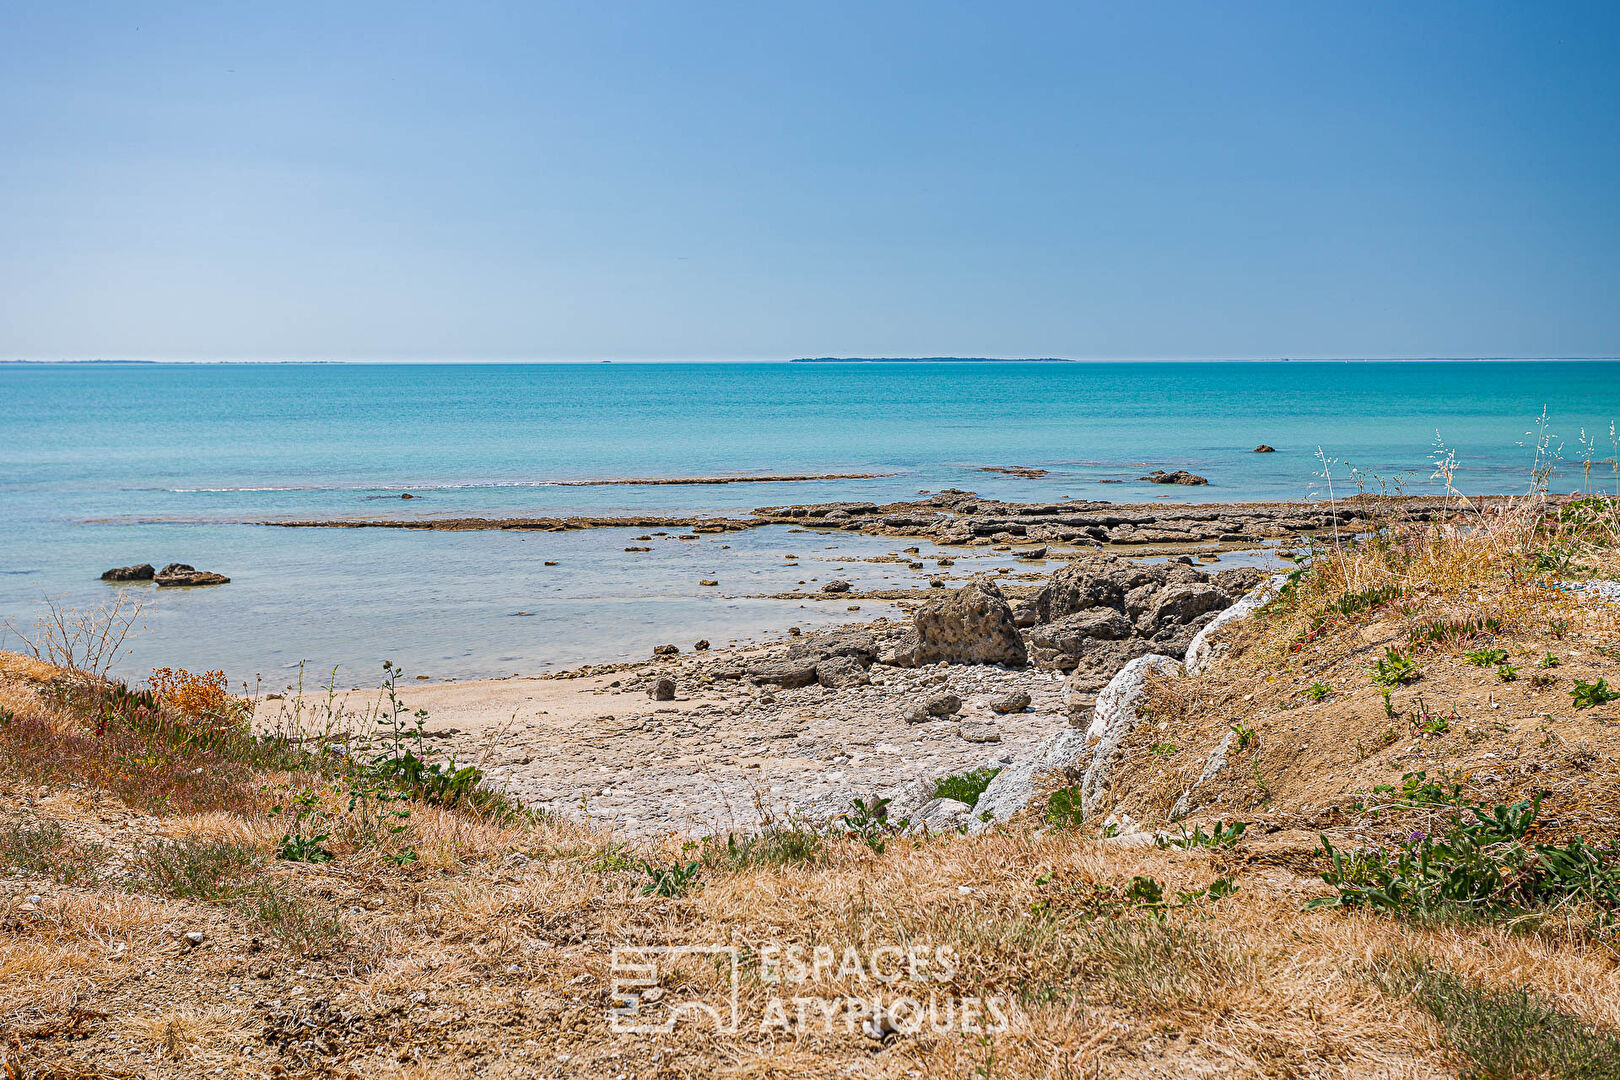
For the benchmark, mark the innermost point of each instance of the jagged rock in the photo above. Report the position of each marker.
(1201, 650)
(1180, 476)
(943, 705)
(824, 644)
(1015, 702)
(701, 645)
(784, 673)
(142, 572)
(915, 713)
(979, 731)
(973, 625)
(1264, 449)
(1031, 553)
(835, 587)
(666, 650)
(184, 574)
(1181, 604)
(1025, 613)
(1015, 785)
(1115, 717)
(940, 815)
(662, 690)
(839, 672)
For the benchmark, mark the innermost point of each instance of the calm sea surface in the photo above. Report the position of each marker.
(104, 465)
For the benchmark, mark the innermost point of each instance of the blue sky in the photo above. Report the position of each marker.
(605, 180)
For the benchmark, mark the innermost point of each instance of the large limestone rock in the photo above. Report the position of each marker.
(1202, 649)
(973, 625)
(1073, 755)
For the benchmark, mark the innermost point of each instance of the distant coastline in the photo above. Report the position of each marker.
(933, 360)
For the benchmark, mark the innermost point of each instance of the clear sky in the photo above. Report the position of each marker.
(761, 180)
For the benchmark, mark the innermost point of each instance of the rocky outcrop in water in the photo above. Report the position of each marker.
(184, 574)
(140, 572)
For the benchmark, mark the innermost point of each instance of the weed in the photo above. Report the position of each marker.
(1507, 672)
(869, 823)
(1589, 695)
(1389, 703)
(677, 879)
(776, 846)
(1064, 808)
(189, 868)
(1479, 861)
(1224, 836)
(294, 921)
(1246, 735)
(1163, 749)
(964, 787)
(1548, 661)
(298, 844)
(41, 847)
(1394, 668)
(1352, 602)
(1319, 691)
(1486, 657)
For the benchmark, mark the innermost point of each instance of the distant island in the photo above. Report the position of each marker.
(932, 360)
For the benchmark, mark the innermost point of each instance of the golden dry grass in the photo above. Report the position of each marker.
(489, 953)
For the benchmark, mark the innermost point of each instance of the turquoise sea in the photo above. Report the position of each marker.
(109, 464)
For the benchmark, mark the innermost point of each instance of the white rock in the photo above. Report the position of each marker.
(1202, 649)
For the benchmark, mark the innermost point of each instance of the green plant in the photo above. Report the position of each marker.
(1486, 657)
(1389, 704)
(1589, 695)
(297, 844)
(1394, 668)
(40, 846)
(1507, 672)
(964, 787)
(1319, 691)
(1224, 835)
(1548, 661)
(774, 846)
(1246, 735)
(869, 823)
(1365, 600)
(1478, 860)
(1064, 808)
(1163, 749)
(189, 868)
(677, 879)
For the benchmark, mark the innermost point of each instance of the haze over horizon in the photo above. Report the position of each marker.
(638, 181)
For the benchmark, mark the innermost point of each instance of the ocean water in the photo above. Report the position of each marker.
(110, 464)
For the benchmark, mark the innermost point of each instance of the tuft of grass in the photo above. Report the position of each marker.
(41, 847)
(294, 921)
(786, 845)
(964, 787)
(1502, 1034)
(1164, 966)
(189, 868)
(1063, 808)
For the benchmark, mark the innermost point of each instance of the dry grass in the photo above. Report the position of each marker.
(474, 945)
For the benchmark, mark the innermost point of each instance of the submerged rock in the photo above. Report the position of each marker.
(1180, 476)
(185, 574)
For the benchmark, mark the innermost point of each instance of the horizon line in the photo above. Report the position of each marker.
(511, 362)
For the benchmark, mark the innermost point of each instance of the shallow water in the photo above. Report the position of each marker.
(104, 465)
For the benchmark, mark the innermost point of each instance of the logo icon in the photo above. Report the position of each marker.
(640, 1006)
